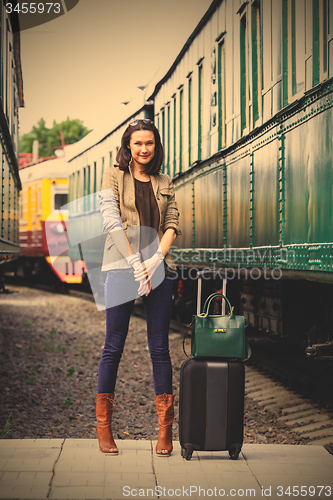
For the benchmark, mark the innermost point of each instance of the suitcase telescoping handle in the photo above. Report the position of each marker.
(208, 272)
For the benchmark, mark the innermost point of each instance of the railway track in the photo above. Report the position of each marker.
(308, 419)
(272, 385)
(75, 290)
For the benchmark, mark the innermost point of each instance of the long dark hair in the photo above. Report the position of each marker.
(124, 154)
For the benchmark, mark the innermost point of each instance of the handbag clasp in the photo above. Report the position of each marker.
(220, 330)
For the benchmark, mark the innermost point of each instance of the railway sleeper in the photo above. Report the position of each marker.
(260, 387)
(279, 405)
(294, 416)
(294, 409)
(314, 417)
(319, 434)
(273, 389)
(254, 393)
(268, 397)
(285, 400)
(323, 442)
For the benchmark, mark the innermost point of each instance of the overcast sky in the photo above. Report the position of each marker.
(86, 62)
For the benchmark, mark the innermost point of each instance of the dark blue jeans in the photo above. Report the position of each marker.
(158, 312)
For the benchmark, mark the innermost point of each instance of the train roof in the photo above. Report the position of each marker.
(98, 135)
(49, 169)
(202, 23)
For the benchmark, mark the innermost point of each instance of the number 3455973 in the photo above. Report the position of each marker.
(34, 8)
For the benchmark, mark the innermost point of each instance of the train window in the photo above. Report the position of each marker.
(320, 39)
(285, 92)
(157, 124)
(168, 140)
(88, 188)
(60, 199)
(181, 97)
(256, 61)
(199, 111)
(221, 95)
(324, 26)
(174, 134)
(84, 188)
(330, 39)
(74, 191)
(70, 188)
(102, 171)
(163, 133)
(78, 190)
(95, 182)
(297, 46)
(6, 76)
(244, 95)
(72, 195)
(189, 120)
(309, 45)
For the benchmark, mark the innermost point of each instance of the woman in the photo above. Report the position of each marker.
(141, 217)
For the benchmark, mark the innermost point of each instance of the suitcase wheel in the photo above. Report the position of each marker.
(186, 453)
(234, 452)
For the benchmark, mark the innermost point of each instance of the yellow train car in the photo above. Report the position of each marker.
(43, 223)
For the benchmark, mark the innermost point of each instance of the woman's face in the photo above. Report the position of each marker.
(142, 147)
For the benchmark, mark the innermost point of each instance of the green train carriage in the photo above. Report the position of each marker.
(11, 93)
(245, 114)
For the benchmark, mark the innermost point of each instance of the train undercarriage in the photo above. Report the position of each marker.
(297, 312)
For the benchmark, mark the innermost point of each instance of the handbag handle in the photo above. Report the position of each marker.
(185, 339)
(208, 301)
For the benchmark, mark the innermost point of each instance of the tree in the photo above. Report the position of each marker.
(49, 138)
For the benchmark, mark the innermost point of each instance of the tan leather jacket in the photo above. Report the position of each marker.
(117, 200)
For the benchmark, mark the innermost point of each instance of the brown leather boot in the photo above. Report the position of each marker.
(104, 410)
(164, 405)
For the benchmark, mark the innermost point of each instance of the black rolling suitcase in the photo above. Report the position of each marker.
(211, 405)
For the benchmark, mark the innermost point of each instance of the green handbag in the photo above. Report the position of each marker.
(219, 336)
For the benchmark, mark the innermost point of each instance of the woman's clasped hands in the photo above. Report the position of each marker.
(144, 271)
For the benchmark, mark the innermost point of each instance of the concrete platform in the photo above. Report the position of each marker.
(76, 469)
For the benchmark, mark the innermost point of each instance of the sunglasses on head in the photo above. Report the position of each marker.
(135, 122)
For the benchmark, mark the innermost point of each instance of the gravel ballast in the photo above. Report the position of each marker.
(50, 347)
